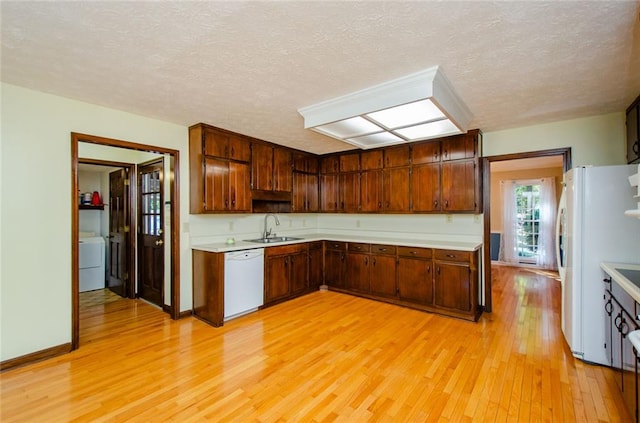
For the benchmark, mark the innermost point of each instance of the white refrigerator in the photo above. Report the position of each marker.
(593, 229)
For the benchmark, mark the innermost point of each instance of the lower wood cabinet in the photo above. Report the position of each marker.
(383, 270)
(415, 281)
(335, 256)
(285, 272)
(456, 282)
(358, 269)
(208, 287)
(316, 265)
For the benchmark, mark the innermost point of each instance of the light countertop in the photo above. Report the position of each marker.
(620, 279)
(223, 247)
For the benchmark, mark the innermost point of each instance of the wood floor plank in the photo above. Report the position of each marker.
(323, 357)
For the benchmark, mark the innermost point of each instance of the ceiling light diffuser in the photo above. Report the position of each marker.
(419, 106)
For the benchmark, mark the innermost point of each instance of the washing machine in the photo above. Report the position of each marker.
(91, 258)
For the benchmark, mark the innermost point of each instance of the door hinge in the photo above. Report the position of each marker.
(127, 182)
(125, 276)
(127, 229)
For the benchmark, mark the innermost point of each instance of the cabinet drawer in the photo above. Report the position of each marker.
(285, 250)
(315, 245)
(453, 255)
(383, 249)
(414, 252)
(335, 245)
(359, 247)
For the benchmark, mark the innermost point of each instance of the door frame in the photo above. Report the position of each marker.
(131, 257)
(486, 204)
(174, 198)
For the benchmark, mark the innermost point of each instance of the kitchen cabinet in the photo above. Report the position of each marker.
(460, 180)
(358, 270)
(397, 156)
(383, 270)
(285, 273)
(335, 263)
(349, 192)
(329, 191)
(371, 190)
(415, 281)
(371, 159)
(219, 171)
(633, 132)
(330, 164)
(456, 282)
(306, 163)
(271, 168)
(316, 265)
(208, 287)
(305, 193)
(395, 182)
(425, 188)
(350, 162)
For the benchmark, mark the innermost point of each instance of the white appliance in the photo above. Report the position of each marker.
(91, 260)
(593, 229)
(243, 282)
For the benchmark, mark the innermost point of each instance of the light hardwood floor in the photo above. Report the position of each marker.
(322, 357)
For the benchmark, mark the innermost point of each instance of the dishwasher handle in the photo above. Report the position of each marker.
(244, 255)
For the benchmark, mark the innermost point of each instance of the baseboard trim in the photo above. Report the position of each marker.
(185, 313)
(34, 357)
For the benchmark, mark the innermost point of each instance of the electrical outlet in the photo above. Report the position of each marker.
(476, 218)
(449, 218)
(231, 226)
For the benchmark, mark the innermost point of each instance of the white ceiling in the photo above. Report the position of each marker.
(249, 66)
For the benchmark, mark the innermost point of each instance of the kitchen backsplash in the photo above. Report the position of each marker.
(217, 228)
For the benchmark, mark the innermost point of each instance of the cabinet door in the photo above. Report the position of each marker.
(425, 188)
(396, 189)
(216, 184)
(372, 159)
(396, 156)
(299, 195)
(312, 193)
(334, 268)
(633, 134)
(426, 152)
(239, 192)
(357, 277)
(216, 143)
(383, 275)
(459, 180)
(459, 147)
(350, 162)
(415, 283)
(276, 281)
(329, 192)
(282, 168)
(315, 267)
(371, 191)
(299, 274)
(330, 164)
(261, 167)
(453, 286)
(239, 149)
(349, 191)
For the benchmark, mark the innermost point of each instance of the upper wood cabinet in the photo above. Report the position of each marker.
(371, 190)
(633, 132)
(349, 192)
(329, 192)
(305, 193)
(372, 159)
(271, 168)
(350, 162)
(330, 164)
(425, 187)
(306, 163)
(426, 152)
(396, 189)
(458, 147)
(397, 156)
(219, 172)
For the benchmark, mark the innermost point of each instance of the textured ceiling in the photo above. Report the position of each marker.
(249, 66)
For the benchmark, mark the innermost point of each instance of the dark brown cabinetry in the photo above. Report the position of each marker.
(415, 281)
(271, 168)
(335, 254)
(349, 191)
(305, 193)
(383, 270)
(208, 287)
(456, 282)
(633, 132)
(219, 171)
(396, 189)
(285, 272)
(371, 191)
(316, 265)
(358, 269)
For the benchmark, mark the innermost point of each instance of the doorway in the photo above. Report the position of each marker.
(172, 205)
(489, 194)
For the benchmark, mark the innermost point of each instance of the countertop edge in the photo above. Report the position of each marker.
(626, 284)
(245, 245)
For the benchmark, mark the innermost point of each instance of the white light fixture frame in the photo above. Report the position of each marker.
(429, 84)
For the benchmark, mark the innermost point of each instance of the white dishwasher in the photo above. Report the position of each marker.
(243, 282)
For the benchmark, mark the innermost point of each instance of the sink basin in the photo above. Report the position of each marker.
(273, 239)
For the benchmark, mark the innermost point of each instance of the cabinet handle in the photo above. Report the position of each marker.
(445, 154)
(382, 249)
(451, 255)
(335, 205)
(374, 261)
(286, 261)
(428, 269)
(366, 261)
(414, 252)
(342, 205)
(342, 257)
(379, 204)
(446, 204)
(636, 147)
(435, 204)
(438, 270)
(226, 150)
(232, 152)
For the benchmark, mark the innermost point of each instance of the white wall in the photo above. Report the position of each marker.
(36, 197)
(597, 140)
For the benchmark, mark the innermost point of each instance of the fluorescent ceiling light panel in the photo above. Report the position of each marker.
(384, 114)
(408, 114)
(438, 128)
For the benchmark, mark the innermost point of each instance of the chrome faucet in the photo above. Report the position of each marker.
(267, 233)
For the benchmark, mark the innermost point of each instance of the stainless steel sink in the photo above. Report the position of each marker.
(273, 239)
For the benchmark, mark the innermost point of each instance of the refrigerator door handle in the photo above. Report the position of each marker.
(560, 228)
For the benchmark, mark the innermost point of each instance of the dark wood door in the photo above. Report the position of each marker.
(371, 190)
(425, 188)
(276, 282)
(459, 185)
(312, 193)
(238, 192)
(299, 277)
(453, 286)
(261, 167)
(349, 191)
(119, 280)
(315, 266)
(396, 189)
(329, 192)
(383, 275)
(299, 194)
(425, 152)
(334, 268)
(415, 281)
(282, 170)
(397, 156)
(358, 271)
(459, 147)
(151, 232)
